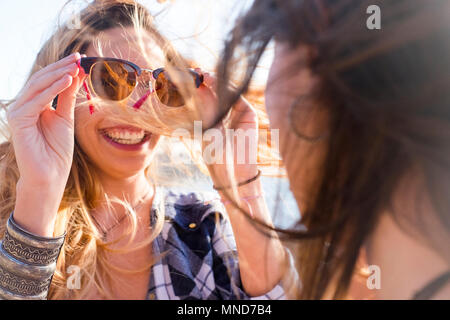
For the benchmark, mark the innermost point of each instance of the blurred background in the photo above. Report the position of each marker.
(197, 28)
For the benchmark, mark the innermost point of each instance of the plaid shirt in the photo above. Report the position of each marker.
(201, 260)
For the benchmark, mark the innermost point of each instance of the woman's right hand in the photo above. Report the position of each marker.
(43, 140)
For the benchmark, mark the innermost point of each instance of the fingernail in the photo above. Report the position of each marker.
(80, 68)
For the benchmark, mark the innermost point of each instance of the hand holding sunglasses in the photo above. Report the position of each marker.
(43, 140)
(115, 79)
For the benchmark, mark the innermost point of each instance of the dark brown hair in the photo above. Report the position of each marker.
(387, 93)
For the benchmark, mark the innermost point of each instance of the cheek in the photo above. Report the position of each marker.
(272, 98)
(276, 100)
(277, 108)
(303, 160)
(273, 108)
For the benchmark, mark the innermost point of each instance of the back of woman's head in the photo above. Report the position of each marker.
(387, 95)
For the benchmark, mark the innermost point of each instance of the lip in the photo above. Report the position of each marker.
(127, 147)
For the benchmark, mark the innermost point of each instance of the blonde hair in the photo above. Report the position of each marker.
(84, 246)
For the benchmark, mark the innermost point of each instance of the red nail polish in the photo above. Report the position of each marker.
(81, 70)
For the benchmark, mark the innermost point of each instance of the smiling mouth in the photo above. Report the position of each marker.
(125, 136)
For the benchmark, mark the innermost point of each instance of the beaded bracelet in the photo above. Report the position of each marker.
(240, 183)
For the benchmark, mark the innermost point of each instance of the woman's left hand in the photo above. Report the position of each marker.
(262, 258)
(242, 124)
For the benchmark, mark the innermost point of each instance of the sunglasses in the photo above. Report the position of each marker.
(115, 79)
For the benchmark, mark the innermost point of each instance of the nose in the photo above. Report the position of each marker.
(145, 81)
(146, 78)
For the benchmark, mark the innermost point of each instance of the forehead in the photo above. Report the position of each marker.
(124, 43)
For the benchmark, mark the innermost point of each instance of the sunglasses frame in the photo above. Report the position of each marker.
(88, 62)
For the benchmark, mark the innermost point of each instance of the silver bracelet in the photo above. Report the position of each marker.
(27, 263)
(29, 248)
(6, 295)
(35, 240)
(20, 286)
(25, 270)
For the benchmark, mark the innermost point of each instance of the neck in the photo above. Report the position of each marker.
(409, 250)
(133, 189)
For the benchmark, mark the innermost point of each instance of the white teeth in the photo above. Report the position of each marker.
(126, 137)
(127, 141)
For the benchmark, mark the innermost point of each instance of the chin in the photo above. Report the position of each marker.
(123, 168)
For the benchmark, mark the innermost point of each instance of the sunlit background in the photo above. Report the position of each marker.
(197, 28)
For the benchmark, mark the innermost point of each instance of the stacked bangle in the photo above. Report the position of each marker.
(27, 262)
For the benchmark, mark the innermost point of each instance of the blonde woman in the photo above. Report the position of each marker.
(62, 236)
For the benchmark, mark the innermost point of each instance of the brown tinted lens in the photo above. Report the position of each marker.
(167, 92)
(113, 80)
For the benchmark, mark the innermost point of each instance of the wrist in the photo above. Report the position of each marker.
(36, 208)
(223, 184)
(250, 189)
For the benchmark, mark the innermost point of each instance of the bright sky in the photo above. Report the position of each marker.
(26, 24)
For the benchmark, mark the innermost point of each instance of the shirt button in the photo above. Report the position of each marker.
(151, 296)
(192, 225)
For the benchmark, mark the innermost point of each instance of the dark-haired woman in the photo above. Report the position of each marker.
(364, 123)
